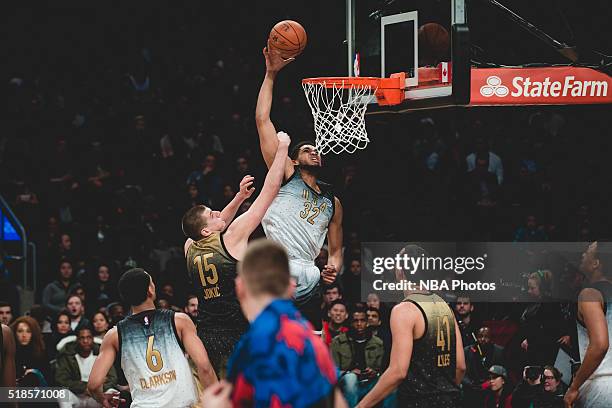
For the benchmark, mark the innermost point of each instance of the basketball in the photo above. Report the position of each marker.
(288, 37)
(434, 41)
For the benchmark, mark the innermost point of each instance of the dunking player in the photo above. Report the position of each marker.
(151, 344)
(592, 384)
(305, 209)
(211, 256)
(427, 361)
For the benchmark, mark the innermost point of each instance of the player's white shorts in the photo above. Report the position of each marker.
(306, 276)
(596, 393)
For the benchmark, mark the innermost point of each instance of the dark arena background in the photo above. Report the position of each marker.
(117, 117)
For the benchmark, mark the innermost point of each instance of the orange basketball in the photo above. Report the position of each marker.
(288, 37)
(434, 41)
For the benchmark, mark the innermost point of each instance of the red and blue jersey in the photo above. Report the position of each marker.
(280, 362)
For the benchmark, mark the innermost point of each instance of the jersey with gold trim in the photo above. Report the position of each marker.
(154, 362)
(298, 219)
(434, 356)
(212, 271)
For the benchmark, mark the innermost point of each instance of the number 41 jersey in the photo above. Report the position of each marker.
(154, 362)
(434, 356)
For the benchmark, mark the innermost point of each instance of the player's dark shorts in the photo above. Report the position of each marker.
(434, 401)
(310, 308)
(219, 344)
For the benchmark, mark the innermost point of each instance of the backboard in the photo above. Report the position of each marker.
(390, 36)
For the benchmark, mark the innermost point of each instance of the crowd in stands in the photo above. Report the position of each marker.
(101, 162)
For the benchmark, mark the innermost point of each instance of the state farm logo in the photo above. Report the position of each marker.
(527, 87)
(494, 87)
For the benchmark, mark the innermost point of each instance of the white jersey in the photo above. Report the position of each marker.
(595, 392)
(154, 362)
(298, 219)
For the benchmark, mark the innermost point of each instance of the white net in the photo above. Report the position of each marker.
(339, 115)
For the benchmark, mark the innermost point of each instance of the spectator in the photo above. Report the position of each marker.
(331, 292)
(31, 361)
(554, 389)
(351, 282)
(373, 316)
(530, 232)
(498, 391)
(543, 328)
(54, 295)
(38, 313)
(75, 308)
(191, 307)
(73, 367)
(335, 325)
(104, 290)
(100, 324)
(167, 292)
(463, 310)
(533, 393)
(6, 313)
(494, 163)
(116, 313)
(208, 181)
(479, 358)
(60, 330)
(79, 291)
(359, 355)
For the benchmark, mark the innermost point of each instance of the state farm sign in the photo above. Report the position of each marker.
(533, 86)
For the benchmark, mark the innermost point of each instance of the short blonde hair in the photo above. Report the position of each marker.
(265, 268)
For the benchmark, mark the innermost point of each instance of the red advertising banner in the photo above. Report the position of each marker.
(539, 86)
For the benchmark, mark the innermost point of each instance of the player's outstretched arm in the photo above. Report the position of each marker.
(265, 128)
(195, 349)
(246, 191)
(238, 233)
(460, 356)
(402, 326)
(334, 245)
(103, 363)
(590, 308)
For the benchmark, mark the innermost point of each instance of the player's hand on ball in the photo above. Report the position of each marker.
(328, 274)
(246, 187)
(283, 139)
(274, 61)
(218, 395)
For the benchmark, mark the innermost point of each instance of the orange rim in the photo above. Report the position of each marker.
(343, 82)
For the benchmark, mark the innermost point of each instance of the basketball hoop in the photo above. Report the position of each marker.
(339, 104)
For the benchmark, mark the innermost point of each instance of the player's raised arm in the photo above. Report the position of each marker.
(265, 128)
(239, 231)
(246, 191)
(334, 245)
(460, 367)
(194, 347)
(103, 363)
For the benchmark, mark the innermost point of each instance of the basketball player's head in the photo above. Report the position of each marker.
(263, 272)
(136, 287)
(306, 156)
(597, 261)
(201, 221)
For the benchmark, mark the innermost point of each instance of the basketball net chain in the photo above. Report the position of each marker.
(339, 116)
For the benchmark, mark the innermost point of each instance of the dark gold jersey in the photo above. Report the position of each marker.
(434, 356)
(212, 271)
